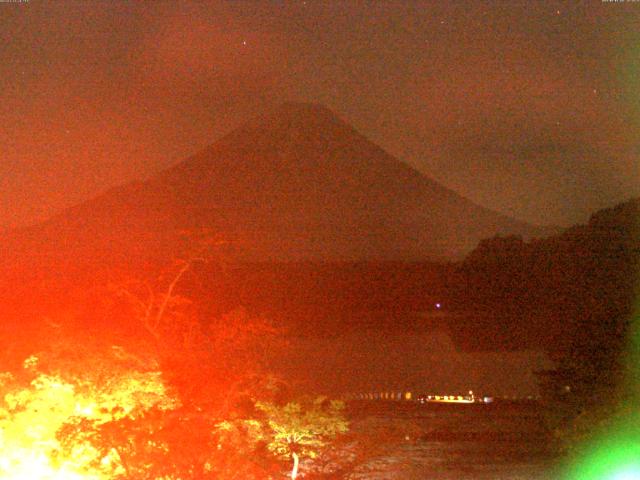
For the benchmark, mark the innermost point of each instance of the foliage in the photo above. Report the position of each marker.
(128, 425)
(573, 295)
(141, 398)
(37, 409)
(214, 360)
(153, 391)
(158, 444)
(298, 429)
(594, 383)
(552, 291)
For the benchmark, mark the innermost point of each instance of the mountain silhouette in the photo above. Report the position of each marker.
(296, 183)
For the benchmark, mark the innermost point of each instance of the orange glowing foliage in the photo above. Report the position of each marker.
(134, 387)
(36, 406)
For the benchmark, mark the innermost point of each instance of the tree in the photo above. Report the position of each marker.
(590, 386)
(84, 409)
(297, 430)
(48, 415)
(155, 304)
(208, 360)
(143, 394)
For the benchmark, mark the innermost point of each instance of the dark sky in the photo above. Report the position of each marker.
(531, 108)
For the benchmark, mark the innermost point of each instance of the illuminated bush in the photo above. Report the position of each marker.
(37, 410)
(297, 430)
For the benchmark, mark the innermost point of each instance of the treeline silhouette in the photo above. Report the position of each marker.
(556, 293)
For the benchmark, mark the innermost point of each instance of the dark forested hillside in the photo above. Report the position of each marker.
(548, 292)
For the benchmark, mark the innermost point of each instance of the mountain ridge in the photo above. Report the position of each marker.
(294, 183)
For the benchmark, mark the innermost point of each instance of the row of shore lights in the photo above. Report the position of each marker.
(397, 396)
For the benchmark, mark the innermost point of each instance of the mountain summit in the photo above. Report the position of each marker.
(297, 183)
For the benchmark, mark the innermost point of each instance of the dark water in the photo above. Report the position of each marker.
(461, 442)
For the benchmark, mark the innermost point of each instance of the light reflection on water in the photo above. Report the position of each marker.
(464, 443)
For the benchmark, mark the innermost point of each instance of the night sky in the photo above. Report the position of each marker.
(530, 108)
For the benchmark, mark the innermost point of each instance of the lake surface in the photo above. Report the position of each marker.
(459, 442)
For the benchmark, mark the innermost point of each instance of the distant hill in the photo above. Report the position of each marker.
(579, 285)
(297, 183)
